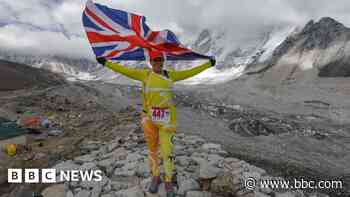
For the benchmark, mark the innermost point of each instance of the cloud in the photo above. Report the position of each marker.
(43, 42)
(54, 26)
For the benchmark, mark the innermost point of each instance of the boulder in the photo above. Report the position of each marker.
(188, 185)
(132, 192)
(54, 191)
(207, 171)
(198, 194)
(83, 193)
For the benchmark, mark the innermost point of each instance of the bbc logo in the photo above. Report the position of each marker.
(31, 176)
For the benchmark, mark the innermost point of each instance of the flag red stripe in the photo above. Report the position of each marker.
(170, 48)
(136, 23)
(152, 36)
(96, 37)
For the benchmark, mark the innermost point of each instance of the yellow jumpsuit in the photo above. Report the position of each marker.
(158, 118)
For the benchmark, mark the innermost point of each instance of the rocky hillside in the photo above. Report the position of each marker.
(232, 52)
(16, 76)
(320, 49)
(83, 69)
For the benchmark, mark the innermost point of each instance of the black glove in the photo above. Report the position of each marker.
(212, 61)
(101, 60)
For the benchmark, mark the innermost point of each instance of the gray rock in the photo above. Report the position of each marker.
(88, 166)
(131, 165)
(67, 165)
(112, 146)
(103, 150)
(207, 171)
(91, 146)
(96, 191)
(54, 191)
(143, 170)
(119, 185)
(108, 195)
(251, 174)
(211, 146)
(199, 160)
(134, 157)
(104, 164)
(188, 185)
(265, 190)
(191, 168)
(84, 159)
(245, 193)
(77, 190)
(317, 194)
(93, 184)
(118, 154)
(69, 194)
(190, 140)
(259, 194)
(83, 193)
(107, 188)
(226, 184)
(132, 192)
(183, 160)
(214, 159)
(124, 172)
(198, 194)
(286, 194)
(55, 132)
(231, 160)
(73, 184)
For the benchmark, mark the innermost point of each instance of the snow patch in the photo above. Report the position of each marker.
(215, 76)
(276, 38)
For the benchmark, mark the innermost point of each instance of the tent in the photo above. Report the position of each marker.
(9, 129)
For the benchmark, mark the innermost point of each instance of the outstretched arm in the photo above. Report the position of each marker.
(137, 74)
(185, 74)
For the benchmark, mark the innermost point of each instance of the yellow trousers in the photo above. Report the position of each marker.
(156, 135)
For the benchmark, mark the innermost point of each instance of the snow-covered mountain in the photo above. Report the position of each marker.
(233, 57)
(81, 69)
(229, 52)
(320, 49)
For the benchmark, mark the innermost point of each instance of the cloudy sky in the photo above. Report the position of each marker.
(54, 26)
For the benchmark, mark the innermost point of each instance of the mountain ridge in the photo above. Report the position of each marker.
(321, 47)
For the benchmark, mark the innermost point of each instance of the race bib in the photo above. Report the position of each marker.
(161, 115)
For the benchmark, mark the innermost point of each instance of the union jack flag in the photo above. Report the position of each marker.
(119, 35)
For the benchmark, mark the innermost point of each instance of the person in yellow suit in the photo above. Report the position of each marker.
(158, 117)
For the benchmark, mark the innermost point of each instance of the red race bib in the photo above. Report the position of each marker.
(160, 115)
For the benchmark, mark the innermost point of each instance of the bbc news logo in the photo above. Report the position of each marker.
(51, 176)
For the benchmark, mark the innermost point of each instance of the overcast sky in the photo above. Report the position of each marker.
(54, 26)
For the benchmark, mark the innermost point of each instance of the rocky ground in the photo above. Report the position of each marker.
(75, 109)
(203, 169)
(100, 122)
(285, 144)
(16, 76)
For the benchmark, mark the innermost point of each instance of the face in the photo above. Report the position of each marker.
(157, 64)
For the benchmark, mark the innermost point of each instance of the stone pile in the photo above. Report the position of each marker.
(203, 170)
